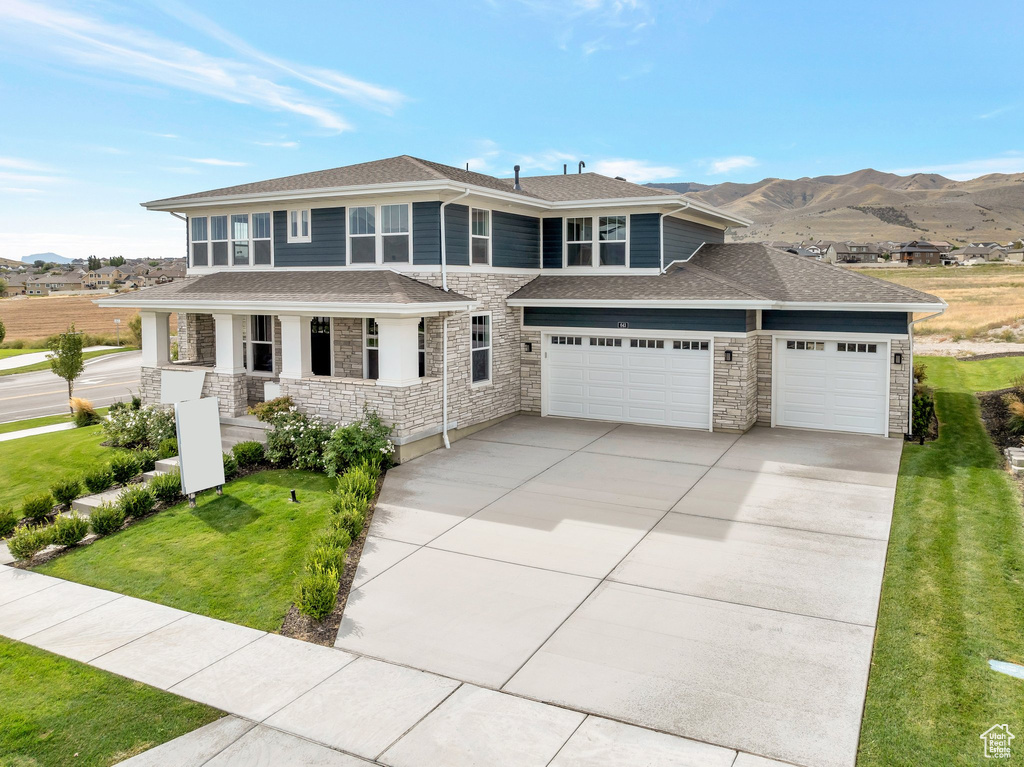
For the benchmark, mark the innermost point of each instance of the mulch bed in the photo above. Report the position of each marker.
(994, 415)
(325, 632)
(993, 356)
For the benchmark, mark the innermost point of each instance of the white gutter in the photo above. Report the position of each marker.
(331, 309)
(444, 266)
(675, 303)
(910, 331)
(444, 379)
(661, 225)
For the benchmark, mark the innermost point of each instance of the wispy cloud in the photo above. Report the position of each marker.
(278, 144)
(17, 163)
(587, 20)
(729, 164)
(167, 135)
(132, 52)
(994, 113)
(637, 171)
(217, 161)
(1011, 162)
(19, 190)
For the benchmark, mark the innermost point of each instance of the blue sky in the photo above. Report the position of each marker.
(108, 104)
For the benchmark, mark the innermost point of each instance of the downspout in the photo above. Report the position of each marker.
(910, 406)
(444, 381)
(444, 267)
(661, 224)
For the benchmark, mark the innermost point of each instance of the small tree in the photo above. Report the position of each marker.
(95, 263)
(116, 261)
(3, 287)
(134, 335)
(3, 331)
(66, 357)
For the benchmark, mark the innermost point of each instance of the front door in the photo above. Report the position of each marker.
(320, 345)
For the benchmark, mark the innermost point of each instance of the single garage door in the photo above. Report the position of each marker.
(660, 381)
(839, 385)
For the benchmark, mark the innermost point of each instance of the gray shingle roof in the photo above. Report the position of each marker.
(730, 272)
(351, 286)
(393, 170)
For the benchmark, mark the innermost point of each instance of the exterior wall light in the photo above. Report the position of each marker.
(529, 346)
(728, 355)
(897, 359)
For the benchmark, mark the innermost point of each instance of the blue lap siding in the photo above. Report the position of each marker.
(682, 238)
(426, 233)
(644, 240)
(552, 246)
(456, 235)
(834, 322)
(515, 240)
(327, 226)
(711, 320)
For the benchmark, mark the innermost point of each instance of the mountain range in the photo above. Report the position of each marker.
(871, 205)
(50, 258)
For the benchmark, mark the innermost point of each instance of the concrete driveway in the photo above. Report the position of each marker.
(719, 587)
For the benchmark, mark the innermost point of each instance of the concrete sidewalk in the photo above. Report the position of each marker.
(36, 431)
(24, 360)
(302, 704)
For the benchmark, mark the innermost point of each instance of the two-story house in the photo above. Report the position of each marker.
(447, 300)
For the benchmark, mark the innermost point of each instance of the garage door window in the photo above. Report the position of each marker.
(646, 343)
(693, 346)
(809, 346)
(862, 348)
(606, 342)
(566, 340)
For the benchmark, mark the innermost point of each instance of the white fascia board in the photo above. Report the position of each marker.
(668, 303)
(317, 309)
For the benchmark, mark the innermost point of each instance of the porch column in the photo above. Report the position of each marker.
(398, 351)
(296, 360)
(228, 329)
(156, 339)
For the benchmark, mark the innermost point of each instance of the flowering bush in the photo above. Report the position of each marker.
(142, 427)
(367, 439)
(296, 439)
(265, 411)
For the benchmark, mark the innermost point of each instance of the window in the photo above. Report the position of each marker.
(219, 238)
(261, 236)
(480, 347)
(480, 232)
(862, 348)
(646, 343)
(606, 342)
(240, 239)
(394, 233)
(612, 240)
(810, 346)
(695, 346)
(421, 346)
(371, 351)
(262, 343)
(567, 340)
(579, 242)
(200, 246)
(299, 229)
(362, 235)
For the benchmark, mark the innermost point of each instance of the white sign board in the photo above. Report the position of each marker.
(199, 455)
(180, 385)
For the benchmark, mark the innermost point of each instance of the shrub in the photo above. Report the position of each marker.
(106, 518)
(136, 403)
(83, 413)
(318, 592)
(37, 507)
(159, 425)
(265, 411)
(168, 448)
(923, 410)
(920, 372)
(359, 480)
(1014, 413)
(326, 558)
(146, 458)
(119, 405)
(66, 490)
(7, 521)
(230, 466)
(124, 466)
(136, 501)
(297, 440)
(367, 439)
(333, 538)
(67, 531)
(139, 426)
(166, 487)
(248, 453)
(28, 541)
(98, 480)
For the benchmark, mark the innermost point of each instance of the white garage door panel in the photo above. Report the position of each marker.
(831, 389)
(664, 386)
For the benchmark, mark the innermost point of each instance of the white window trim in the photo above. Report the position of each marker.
(488, 238)
(366, 349)
(490, 350)
(210, 266)
(249, 357)
(595, 242)
(298, 238)
(378, 236)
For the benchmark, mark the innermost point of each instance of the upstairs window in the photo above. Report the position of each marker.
(480, 232)
(362, 239)
(261, 236)
(612, 243)
(200, 246)
(299, 229)
(579, 242)
(240, 239)
(394, 232)
(219, 239)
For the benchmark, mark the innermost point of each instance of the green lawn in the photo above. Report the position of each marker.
(5, 353)
(953, 593)
(46, 420)
(31, 464)
(55, 711)
(235, 557)
(45, 365)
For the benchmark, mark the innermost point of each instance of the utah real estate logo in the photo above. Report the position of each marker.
(997, 741)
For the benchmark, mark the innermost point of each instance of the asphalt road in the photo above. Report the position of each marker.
(105, 380)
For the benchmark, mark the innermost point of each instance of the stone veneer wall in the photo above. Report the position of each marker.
(764, 380)
(348, 346)
(530, 383)
(899, 388)
(197, 338)
(734, 405)
(231, 390)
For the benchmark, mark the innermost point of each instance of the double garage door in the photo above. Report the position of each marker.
(835, 385)
(660, 381)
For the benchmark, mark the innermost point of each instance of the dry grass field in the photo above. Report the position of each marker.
(36, 318)
(984, 301)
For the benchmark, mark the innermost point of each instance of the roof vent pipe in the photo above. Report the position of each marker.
(582, 165)
(565, 168)
(517, 187)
